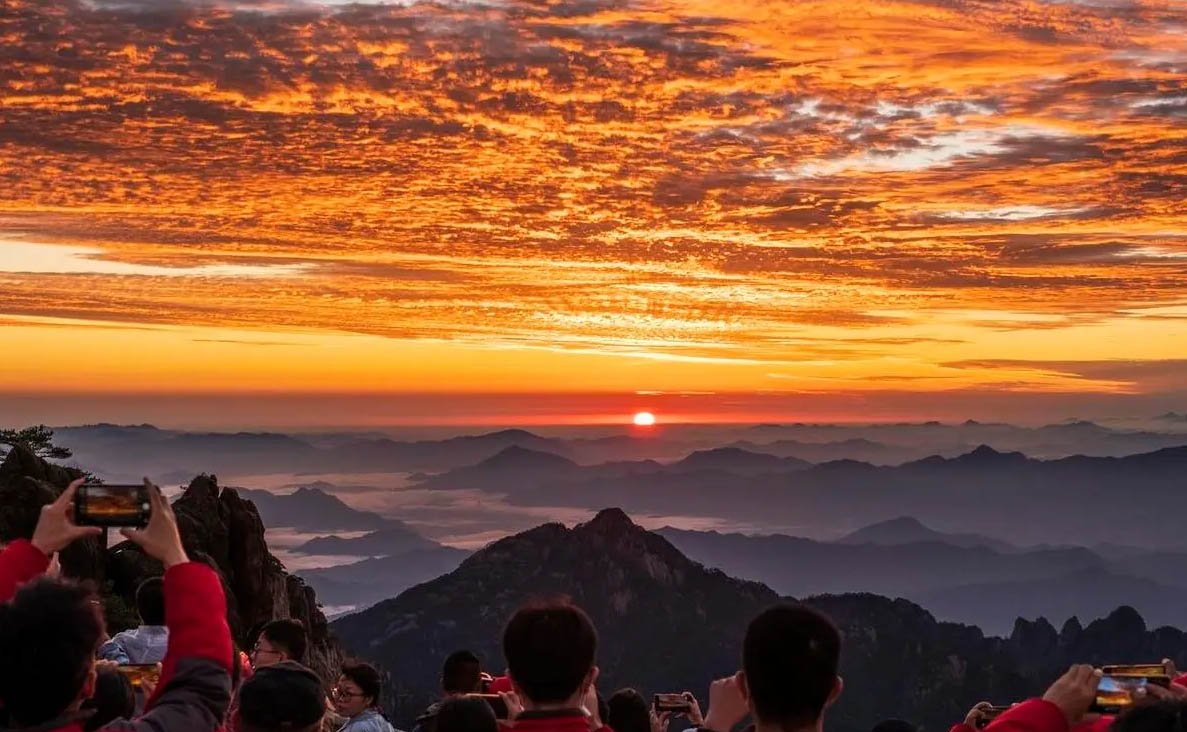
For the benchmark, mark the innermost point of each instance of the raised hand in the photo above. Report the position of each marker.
(1074, 692)
(56, 529)
(160, 539)
(976, 715)
(694, 710)
(727, 705)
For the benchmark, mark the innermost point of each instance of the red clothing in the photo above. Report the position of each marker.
(1036, 715)
(568, 720)
(19, 562)
(194, 688)
(500, 684)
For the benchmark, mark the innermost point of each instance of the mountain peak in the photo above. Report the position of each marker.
(611, 520)
(516, 457)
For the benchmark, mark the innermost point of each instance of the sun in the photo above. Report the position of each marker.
(644, 419)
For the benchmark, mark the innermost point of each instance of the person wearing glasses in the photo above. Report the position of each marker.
(356, 697)
(279, 640)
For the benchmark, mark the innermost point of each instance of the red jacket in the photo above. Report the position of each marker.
(1037, 715)
(195, 685)
(568, 720)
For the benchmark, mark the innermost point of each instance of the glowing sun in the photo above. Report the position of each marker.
(644, 419)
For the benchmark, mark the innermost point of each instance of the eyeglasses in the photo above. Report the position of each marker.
(338, 693)
(258, 651)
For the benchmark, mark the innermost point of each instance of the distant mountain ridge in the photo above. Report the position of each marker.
(908, 530)
(666, 622)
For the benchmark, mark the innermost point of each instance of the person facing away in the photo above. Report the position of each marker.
(281, 697)
(356, 697)
(461, 674)
(466, 714)
(113, 698)
(550, 651)
(50, 630)
(628, 711)
(147, 643)
(789, 674)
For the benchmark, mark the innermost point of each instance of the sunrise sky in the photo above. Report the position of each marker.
(531, 210)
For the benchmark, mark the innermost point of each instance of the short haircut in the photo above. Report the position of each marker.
(790, 657)
(289, 636)
(113, 699)
(285, 696)
(1161, 716)
(466, 714)
(365, 676)
(49, 633)
(549, 649)
(150, 601)
(461, 673)
(628, 712)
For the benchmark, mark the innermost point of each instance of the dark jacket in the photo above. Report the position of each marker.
(195, 685)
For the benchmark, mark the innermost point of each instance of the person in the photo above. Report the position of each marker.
(550, 650)
(114, 698)
(280, 640)
(460, 674)
(1164, 715)
(466, 714)
(356, 697)
(50, 630)
(280, 697)
(789, 675)
(145, 644)
(628, 711)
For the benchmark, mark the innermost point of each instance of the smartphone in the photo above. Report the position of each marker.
(672, 703)
(989, 715)
(138, 673)
(1118, 687)
(495, 701)
(112, 505)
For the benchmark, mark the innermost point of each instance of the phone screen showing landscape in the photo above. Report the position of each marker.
(112, 505)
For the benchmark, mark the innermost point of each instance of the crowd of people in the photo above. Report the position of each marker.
(59, 672)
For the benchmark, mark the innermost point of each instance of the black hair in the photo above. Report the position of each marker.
(150, 601)
(1161, 716)
(790, 657)
(49, 632)
(461, 673)
(550, 649)
(466, 714)
(366, 677)
(289, 635)
(113, 699)
(628, 712)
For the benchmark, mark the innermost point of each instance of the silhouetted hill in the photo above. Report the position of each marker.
(397, 538)
(369, 581)
(908, 530)
(313, 510)
(666, 622)
(736, 460)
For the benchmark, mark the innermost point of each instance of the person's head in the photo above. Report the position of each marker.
(894, 725)
(49, 633)
(150, 601)
(1162, 716)
(113, 699)
(279, 640)
(466, 714)
(283, 696)
(628, 712)
(461, 673)
(789, 666)
(550, 652)
(357, 689)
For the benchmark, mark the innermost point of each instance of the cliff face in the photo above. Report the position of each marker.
(217, 527)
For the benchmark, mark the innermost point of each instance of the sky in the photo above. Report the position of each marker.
(523, 211)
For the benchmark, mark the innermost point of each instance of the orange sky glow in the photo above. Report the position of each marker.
(868, 207)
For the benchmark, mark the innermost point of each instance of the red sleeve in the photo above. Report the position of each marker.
(1182, 680)
(196, 615)
(19, 563)
(1036, 715)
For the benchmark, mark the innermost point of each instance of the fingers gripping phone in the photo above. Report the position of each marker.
(678, 703)
(112, 505)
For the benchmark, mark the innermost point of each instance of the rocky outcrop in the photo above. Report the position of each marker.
(217, 527)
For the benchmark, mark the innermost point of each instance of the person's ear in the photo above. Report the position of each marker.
(591, 678)
(838, 687)
(744, 687)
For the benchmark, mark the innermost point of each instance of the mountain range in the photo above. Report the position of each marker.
(669, 623)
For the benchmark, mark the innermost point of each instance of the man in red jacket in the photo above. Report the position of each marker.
(50, 630)
(550, 651)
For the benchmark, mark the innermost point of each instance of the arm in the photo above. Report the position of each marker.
(1063, 707)
(19, 562)
(1036, 715)
(194, 700)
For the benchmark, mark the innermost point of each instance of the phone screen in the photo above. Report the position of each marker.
(139, 673)
(112, 505)
(1118, 692)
